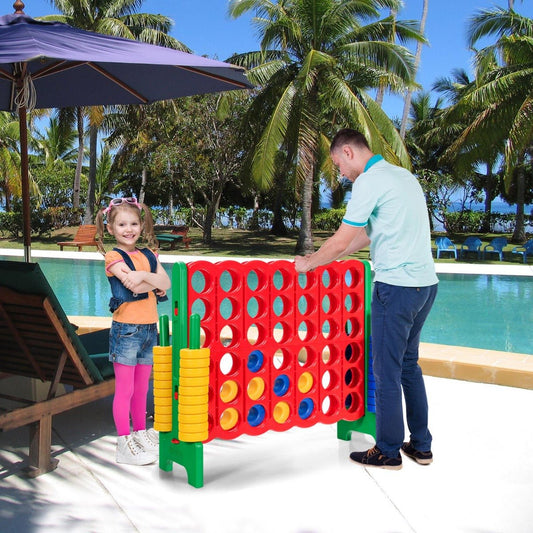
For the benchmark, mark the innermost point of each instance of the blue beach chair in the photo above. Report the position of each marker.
(471, 244)
(523, 250)
(445, 245)
(495, 246)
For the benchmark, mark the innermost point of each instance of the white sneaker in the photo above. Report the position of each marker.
(147, 439)
(131, 453)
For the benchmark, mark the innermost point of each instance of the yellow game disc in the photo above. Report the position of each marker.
(193, 400)
(192, 410)
(194, 372)
(228, 391)
(229, 418)
(255, 389)
(305, 382)
(281, 412)
(193, 437)
(193, 418)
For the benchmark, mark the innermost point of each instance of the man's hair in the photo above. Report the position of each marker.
(348, 136)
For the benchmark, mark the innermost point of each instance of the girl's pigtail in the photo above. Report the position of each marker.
(148, 229)
(100, 231)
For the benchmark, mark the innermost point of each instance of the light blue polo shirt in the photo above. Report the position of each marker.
(389, 201)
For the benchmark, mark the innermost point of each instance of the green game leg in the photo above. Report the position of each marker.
(190, 455)
(165, 443)
(366, 424)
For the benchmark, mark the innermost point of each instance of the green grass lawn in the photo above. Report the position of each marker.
(243, 243)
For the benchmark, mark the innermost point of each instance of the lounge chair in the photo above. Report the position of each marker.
(495, 246)
(445, 245)
(85, 236)
(37, 342)
(173, 239)
(523, 250)
(471, 245)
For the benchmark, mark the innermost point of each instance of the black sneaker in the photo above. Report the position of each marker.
(422, 458)
(374, 457)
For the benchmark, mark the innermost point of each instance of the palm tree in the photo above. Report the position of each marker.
(120, 19)
(54, 146)
(317, 62)
(9, 158)
(468, 160)
(418, 55)
(502, 101)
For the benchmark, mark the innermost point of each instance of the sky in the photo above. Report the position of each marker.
(205, 27)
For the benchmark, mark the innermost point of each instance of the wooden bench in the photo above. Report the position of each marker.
(85, 236)
(172, 235)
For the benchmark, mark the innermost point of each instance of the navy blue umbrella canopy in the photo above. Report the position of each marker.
(51, 64)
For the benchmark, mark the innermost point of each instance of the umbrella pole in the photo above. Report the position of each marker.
(24, 178)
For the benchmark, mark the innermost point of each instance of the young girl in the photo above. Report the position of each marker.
(137, 280)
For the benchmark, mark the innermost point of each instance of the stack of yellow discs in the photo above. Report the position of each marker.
(193, 395)
(162, 388)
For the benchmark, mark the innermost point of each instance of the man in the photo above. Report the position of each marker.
(387, 211)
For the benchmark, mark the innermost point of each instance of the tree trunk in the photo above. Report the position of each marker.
(79, 164)
(305, 244)
(418, 54)
(89, 207)
(144, 178)
(489, 185)
(519, 235)
(278, 226)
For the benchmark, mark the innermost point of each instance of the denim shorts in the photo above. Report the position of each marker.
(132, 344)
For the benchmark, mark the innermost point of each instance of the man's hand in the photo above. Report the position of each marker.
(302, 263)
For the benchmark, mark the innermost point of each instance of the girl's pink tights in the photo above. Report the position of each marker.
(131, 390)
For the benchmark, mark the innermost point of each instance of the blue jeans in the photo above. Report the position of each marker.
(398, 314)
(132, 344)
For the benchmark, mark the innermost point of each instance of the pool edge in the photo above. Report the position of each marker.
(438, 360)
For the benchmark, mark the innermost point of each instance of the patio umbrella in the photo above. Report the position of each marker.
(51, 64)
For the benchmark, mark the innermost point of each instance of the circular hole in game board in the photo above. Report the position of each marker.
(326, 354)
(281, 332)
(303, 357)
(252, 280)
(255, 334)
(330, 405)
(252, 307)
(326, 380)
(349, 303)
(205, 337)
(228, 364)
(303, 305)
(198, 281)
(351, 327)
(351, 278)
(352, 353)
(280, 360)
(352, 402)
(229, 336)
(326, 304)
(352, 377)
(226, 281)
(278, 306)
(330, 354)
(201, 307)
(306, 331)
(226, 308)
(326, 279)
(329, 329)
(277, 280)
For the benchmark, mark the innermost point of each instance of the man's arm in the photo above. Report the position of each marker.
(345, 241)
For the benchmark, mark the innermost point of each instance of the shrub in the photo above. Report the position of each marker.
(328, 219)
(466, 221)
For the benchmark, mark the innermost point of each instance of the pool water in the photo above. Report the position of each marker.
(478, 311)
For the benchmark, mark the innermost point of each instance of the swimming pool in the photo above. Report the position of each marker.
(479, 311)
